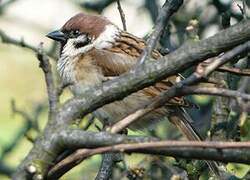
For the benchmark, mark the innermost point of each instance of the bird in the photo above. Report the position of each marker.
(95, 50)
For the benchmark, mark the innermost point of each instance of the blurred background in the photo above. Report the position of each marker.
(23, 98)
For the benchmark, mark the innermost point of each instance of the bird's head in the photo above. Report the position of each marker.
(83, 32)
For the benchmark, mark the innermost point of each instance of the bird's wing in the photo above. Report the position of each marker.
(124, 55)
(126, 58)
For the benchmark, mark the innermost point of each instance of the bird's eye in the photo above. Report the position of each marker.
(75, 33)
(83, 41)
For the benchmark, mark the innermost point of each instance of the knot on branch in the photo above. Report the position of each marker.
(31, 169)
(33, 172)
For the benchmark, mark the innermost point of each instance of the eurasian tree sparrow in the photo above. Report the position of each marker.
(94, 49)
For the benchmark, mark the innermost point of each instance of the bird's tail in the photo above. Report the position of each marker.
(182, 120)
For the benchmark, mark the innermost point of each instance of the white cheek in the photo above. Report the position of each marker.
(68, 48)
(107, 38)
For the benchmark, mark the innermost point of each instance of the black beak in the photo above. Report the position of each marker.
(57, 36)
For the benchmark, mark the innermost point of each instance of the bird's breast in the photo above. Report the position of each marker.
(80, 72)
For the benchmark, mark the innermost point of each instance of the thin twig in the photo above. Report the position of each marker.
(106, 168)
(51, 88)
(122, 14)
(158, 102)
(152, 7)
(9, 40)
(236, 71)
(214, 92)
(5, 4)
(241, 101)
(98, 5)
(26, 126)
(168, 9)
(90, 120)
(29, 123)
(242, 8)
(32, 121)
(21, 43)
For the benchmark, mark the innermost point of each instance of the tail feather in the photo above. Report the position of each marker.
(182, 121)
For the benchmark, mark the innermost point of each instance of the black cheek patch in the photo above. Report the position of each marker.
(81, 44)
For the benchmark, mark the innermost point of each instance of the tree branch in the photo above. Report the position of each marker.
(122, 15)
(217, 151)
(4, 5)
(168, 9)
(106, 168)
(51, 87)
(77, 138)
(21, 43)
(236, 71)
(152, 6)
(9, 40)
(188, 55)
(97, 5)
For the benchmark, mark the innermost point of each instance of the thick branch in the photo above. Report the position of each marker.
(74, 139)
(218, 151)
(189, 54)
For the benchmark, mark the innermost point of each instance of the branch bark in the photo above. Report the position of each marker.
(122, 14)
(236, 71)
(49, 79)
(218, 151)
(21, 43)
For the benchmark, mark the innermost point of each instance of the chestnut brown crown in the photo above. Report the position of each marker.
(93, 25)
